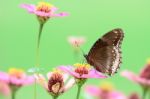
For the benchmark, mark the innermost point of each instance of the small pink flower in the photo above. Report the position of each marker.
(16, 77)
(76, 41)
(43, 11)
(82, 71)
(4, 88)
(104, 93)
(56, 83)
(142, 79)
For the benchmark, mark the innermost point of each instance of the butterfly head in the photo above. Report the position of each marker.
(85, 56)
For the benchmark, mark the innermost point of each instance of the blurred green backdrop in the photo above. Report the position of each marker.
(89, 18)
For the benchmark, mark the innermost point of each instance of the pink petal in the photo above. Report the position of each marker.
(69, 70)
(4, 88)
(29, 7)
(94, 74)
(43, 14)
(4, 77)
(93, 90)
(16, 81)
(54, 9)
(62, 14)
(117, 95)
(49, 74)
(29, 80)
(131, 76)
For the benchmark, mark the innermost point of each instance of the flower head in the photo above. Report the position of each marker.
(4, 88)
(143, 78)
(82, 71)
(43, 11)
(104, 92)
(76, 41)
(16, 77)
(56, 83)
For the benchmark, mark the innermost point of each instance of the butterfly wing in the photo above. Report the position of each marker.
(105, 55)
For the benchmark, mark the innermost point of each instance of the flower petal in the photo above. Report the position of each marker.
(4, 77)
(131, 76)
(16, 81)
(69, 70)
(29, 7)
(41, 80)
(117, 95)
(62, 14)
(95, 91)
(65, 77)
(94, 74)
(4, 88)
(29, 80)
(43, 14)
(69, 84)
(49, 74)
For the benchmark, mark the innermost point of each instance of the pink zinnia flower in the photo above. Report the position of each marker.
(143, 78)
(4, 88)
(16, 77)
(43, 11)
(76, 41)
(104, 92)
(82, 71)
(56, 83)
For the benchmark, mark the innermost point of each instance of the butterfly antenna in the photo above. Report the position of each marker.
(80, 49)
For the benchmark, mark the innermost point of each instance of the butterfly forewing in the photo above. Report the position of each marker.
(105, 54)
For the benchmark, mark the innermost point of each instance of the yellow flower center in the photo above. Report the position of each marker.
(16, 72)
(44, 7)
(148, 60)
(82, 68)
(78, 65)
(106, 86)
(57, 71)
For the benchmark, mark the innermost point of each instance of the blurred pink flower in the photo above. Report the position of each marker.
(16, 77)
(43, 10)
(143, 78)
(76, 41)
(134, 96)
(82, 71)
(4, 88)
(104, 93)
(56, 83)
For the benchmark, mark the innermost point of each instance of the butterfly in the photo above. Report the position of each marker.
(105, 54)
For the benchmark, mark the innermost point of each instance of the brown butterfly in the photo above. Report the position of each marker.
(105, 54)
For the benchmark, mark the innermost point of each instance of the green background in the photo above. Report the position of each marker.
(89, 18)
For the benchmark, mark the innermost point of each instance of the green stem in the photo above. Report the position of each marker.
(54, 97)
(79, 91)
(144, 93)
(35, 87)
(13, 94)
(40, 32)
(38, 45)
(38, 57)
(149, 93)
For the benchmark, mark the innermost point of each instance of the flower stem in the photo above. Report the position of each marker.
(35, 87)
(79, 91)
(144, 93)
(38, 57)
(13, 94)
(54, 97)
(38, 44)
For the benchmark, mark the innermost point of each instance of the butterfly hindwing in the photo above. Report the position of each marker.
(105, 55)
